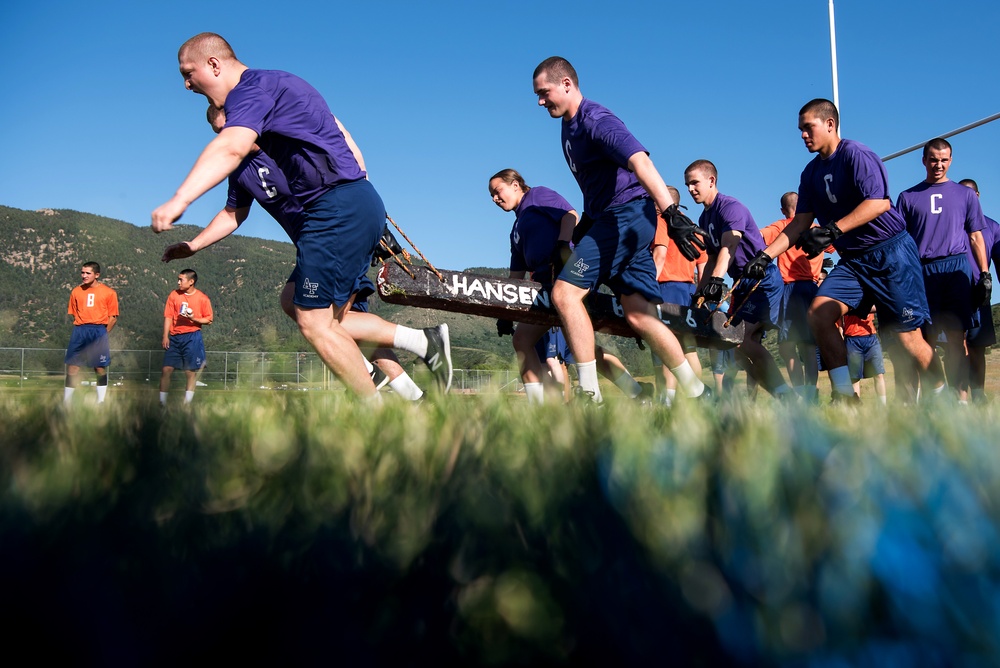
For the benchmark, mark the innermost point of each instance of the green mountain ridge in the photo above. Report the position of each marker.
(242, 275)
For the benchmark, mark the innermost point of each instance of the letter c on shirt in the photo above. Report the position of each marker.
(827, 180)
(935, 206)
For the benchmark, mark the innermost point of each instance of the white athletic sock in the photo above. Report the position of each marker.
(627, 383)
(668, 397)
(587, 372)
(940, 388)
(188, 396)
(102, 391)
(687, 380)
(410, 340)
(881, 399)
(68, 394)
(535, 392)
(840, 378)
(163, 398)
(404, 386)
(373, 400)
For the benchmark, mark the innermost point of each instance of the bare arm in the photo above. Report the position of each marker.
(224, 224)
(650, 179)
(112, 321)
(729, 241)
(568, 224)
(978, 246)
(217, 161)
(659, 258)
(167, 321)
(352, 144)
(787, 237)
(863, 214)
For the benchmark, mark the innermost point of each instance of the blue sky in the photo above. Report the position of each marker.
(438, 95)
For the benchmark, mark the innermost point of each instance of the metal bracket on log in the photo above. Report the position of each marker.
(527, 301)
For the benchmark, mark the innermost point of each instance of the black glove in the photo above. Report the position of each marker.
(505, 327)
(683, 232)
(560, 256)
(714, 289)
(815, 240)
(983, 290)
(586, 222)
(381, 254)
(757, 267)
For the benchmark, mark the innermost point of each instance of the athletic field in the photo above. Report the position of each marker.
(300, 527)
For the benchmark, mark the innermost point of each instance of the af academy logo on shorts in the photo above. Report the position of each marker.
(310, 288)
(579, 268)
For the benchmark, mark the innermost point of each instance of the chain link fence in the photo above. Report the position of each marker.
(228, 370)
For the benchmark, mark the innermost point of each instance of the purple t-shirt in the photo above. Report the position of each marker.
(536, 229)
(296, 128)
(727, 214)
(991, 237)
(832, 188)
(258, 178)
(940, 217)
(597, 146)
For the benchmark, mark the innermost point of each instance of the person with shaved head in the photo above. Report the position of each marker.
(343, 216)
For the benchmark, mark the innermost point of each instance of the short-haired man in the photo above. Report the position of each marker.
(800, 273)
(94, 307)
(946, 221)
(845, 188)
(187, 310)
(678, 279)
(733, 238)
(982, 335)
(621, 191)
(342, 219)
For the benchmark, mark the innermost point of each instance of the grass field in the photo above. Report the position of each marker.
(286, 527)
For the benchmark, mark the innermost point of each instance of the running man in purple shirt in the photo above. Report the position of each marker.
(260, 179)
(733, 238)
(946, 222)
(621, 191)
(846, 189)
(343, 214)
(983, 335)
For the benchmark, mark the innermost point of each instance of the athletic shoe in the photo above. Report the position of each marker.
(706, 397)
(378, 377)
(438, 358)
(584, 397)
(849, 399)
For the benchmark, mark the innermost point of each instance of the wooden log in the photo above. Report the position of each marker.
(528, 301)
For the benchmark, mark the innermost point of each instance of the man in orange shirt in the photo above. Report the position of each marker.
(864, 353)
(678, 279)
(187, 310)
(94, 307)
(800, 274)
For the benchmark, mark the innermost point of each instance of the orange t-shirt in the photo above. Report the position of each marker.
(793, 264)
(199, 303)
(93, 306)
(855, 326)
(676, 267)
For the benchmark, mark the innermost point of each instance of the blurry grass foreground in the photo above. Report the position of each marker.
(293, 527)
